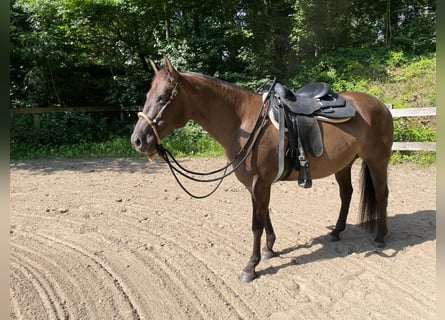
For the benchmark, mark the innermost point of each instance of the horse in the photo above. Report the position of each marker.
(228, 113)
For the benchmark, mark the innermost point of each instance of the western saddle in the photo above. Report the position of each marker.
(298, 113)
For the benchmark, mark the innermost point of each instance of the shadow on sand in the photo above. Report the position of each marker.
(405, 230)
(128, 165)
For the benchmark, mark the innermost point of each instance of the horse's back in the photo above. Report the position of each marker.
(373, 111)
(376, 123)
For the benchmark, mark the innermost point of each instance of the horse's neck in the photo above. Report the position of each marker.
(225, 111)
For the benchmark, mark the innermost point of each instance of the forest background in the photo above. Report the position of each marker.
(77, 53)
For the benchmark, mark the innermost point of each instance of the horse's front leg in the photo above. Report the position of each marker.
(260, 218)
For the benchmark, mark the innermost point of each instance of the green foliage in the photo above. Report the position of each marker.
(348, 68)
(91, 52)
(322, 26)
(411, 83)
(81, 136)
(114, 147)
(192, 141)
(422, 158)
(416, 132)
(95, 53)
(62, 131)
(400, 79)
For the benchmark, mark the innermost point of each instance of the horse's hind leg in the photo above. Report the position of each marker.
(343, 178)
(267, 251)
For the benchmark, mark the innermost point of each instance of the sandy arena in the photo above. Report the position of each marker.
(118, 239)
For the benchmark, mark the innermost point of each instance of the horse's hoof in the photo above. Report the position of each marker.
(379, 241)
(332, 238)
(265, 255)
(247, 277)
(379, 244)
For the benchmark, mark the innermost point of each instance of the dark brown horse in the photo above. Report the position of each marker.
(228, 113)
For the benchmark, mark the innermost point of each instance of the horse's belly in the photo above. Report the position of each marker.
(328, 163)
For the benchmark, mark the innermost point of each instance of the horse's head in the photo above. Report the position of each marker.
(162, 112)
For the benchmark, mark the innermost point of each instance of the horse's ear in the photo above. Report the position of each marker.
(154, 66)
(170, 68)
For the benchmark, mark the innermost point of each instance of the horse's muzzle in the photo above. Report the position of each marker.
(136, 142)
(143, 144)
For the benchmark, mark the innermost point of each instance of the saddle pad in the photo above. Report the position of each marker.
(273, 117)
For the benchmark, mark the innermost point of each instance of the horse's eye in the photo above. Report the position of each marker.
(162, 98)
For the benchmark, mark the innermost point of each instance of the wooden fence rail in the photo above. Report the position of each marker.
(396, 113)
(414, 112)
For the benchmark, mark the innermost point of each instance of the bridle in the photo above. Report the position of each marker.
(239, 158)
(154, 123)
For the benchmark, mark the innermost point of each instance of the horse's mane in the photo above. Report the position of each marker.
(222, 84)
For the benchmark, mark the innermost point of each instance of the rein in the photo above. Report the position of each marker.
(175, 167)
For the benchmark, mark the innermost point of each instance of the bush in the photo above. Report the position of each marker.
(403, 131)
(83, 136)
(192, 140)
(57, 131)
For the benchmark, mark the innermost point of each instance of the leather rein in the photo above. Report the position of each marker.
(175, 167)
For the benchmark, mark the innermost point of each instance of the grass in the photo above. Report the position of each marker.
(421, 158)
(408, 86)
(115, 147)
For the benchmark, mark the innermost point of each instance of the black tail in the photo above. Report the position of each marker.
(368, 202)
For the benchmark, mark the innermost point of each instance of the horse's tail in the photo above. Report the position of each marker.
(368, 202)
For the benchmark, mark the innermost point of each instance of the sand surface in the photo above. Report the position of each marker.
(118, 239)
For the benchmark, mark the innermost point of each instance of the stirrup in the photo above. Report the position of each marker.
(304, 176)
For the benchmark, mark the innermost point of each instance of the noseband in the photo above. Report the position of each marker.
(154, 123)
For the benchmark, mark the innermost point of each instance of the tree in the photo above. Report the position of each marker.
(77, 52)
(270, 24)
(325, 25)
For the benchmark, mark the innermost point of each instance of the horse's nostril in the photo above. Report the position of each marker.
(137, 142)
